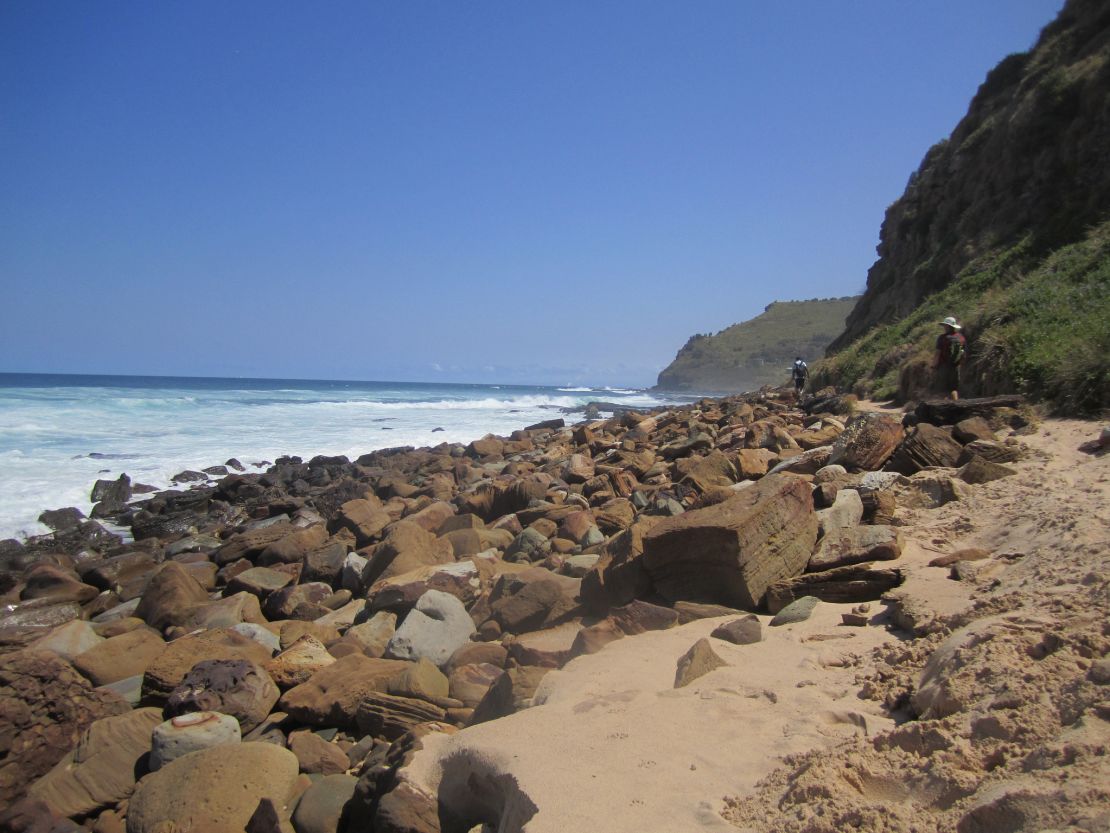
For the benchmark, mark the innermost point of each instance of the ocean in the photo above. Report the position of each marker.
(60, 433)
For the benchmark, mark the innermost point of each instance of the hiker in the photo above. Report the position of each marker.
(799, 372)
(951, 348)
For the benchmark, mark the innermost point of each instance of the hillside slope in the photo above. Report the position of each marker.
(758, 352)
(1004, 226)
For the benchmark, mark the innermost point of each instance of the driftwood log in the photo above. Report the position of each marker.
(855, 583)
(949, 412)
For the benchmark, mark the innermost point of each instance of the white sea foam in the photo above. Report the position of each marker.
(48, 432)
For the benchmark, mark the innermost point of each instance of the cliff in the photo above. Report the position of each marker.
(758, 352)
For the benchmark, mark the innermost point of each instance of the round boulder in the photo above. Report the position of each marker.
(236, 687)
(190, 733)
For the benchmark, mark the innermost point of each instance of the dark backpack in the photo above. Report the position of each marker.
(956, 350)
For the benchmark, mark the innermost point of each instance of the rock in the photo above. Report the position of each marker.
(350, 577)
(703, 473)
(228, 612)
(316, 756)
(129, 688)
(371, 637)
(931, 490)
(166, 672)
(592, 639)
(926, 446)
(48, 581)
(190, 733)
(950, 412)
(171, 597)
(965, 554)
(236, 687)
(846, 512)
(971, 429)
(365, 518)
(62, 519)
(640, 617)
(858, 583)
(321, 807)
(867, 442)
(855, 545)
(469, 683)
(422, 680)
(215, 790)
(578, 469)
(112, 492)
(299, 662)
(294, 546)
(978, 470)
(619, 576)
(251, 543)
(531, 600)
(388, 716)
(697, 662)
(406, 547)
(743, 631)
(259, 581)
(529, 545)
(692, 611)
(325, 563)
(991, 451)
(331, 696)
(301, 601)
(797, 611)
(69, 640)
(435, 629)
(808, 462)
(102, 768)
(44, 707)
(731, 552)
(752, 463)
(40, 613)
(550, 647)
(260, 634)
(119, 657)
(512, 691)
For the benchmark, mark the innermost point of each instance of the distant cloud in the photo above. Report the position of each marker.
(437, 367)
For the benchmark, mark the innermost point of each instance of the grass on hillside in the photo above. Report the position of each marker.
(1042, 330)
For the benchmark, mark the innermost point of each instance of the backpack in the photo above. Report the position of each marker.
(956, 350)
(801, 370)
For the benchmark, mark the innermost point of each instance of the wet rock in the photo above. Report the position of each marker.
(112, 493)
(62, 519)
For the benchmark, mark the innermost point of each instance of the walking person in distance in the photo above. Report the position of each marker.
(799, 372)
(951, 349)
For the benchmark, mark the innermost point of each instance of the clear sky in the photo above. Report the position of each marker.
(546, 192)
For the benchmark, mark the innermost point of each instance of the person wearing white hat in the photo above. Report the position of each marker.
(951, 349)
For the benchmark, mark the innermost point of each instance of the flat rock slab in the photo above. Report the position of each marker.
(858, 583)
(797, 611)
(856, 545)
(332, 695)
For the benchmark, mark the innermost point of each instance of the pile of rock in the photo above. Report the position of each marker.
(270, 649)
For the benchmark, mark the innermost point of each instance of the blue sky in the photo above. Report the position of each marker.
(554, 192)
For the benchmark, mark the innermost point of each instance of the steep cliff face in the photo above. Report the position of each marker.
(1029, 164)
(757, 352)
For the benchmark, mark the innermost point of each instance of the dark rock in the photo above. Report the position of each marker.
(925, 446)
(60, 519)
(859, 583)
(743, 631)
(867, 442)
(112, 492)
(237, 687)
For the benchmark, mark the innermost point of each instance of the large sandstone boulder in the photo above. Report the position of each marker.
(406, 547)
(171, 597)
(235, 687)
(364, 517)
(120, 657)
(44, 707)
(332, 695)
(732, 552)
(619, 576)
(433, 630)
(103, 766)
(216, 790)
(855, 545)
(166, 672)
(299, 662)
(867, 442)
(924, 447)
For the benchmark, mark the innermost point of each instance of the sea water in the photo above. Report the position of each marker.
(59, 434)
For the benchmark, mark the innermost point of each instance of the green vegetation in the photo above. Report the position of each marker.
(1041, 327)
(757, 352)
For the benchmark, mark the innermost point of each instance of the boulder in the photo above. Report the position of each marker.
(797, 611)
(867, 442)
(846, 512)
(166, 672)
(619, 576)
(316, 756)
(332, 695)
(405, 547)
(423, 680)
(855, 545)
(102, 768)
(640, 617)
(971, 429)
(126, 655)
(752, 463)
(292, 547)
(512, 691)
(365, 518)
(49, 581)
(743, 631)
(435, 629)
(924, 447)
(216, 790)
(299, 662)
(550, 647)
(321, 807)
(69, 640)
(236, 687)
(532, 600)
(389, 716)
(930, 490)
(44, 707)
(171, 597)
(259, 581)
(731, 552)
(301, 601)
(703, 473)
(251, 543)
(191, 732)
(325, 563)
(469, 683)
(978, 470)
(372, 636)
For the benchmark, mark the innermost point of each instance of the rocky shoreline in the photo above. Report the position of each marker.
(271, 652)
